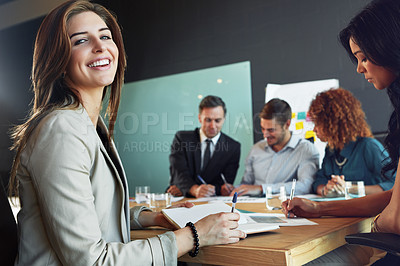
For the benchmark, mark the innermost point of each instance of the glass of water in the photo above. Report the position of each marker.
(142, 194)
(159, 201)
(274, 202)
(354, 189)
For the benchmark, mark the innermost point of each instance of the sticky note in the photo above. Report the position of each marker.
(301, 116)
(293, 115)
(299, 125)
(309, 134)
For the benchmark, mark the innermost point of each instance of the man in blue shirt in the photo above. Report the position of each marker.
(280, 157)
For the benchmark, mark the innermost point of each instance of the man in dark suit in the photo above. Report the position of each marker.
(200, 160)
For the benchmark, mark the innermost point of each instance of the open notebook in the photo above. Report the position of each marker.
(180, 216)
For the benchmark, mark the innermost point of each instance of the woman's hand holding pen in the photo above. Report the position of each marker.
(300, 207)
(219, 229)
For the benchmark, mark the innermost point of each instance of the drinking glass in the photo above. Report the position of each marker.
(159, 201)
(142, 194)
(347, 187)
(269, 203)
(354, 189)
(274, 202)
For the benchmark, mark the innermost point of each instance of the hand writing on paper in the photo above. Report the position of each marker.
(200, 191)
(219, 228)
(301, 208)
(247, 190)
(226, 189)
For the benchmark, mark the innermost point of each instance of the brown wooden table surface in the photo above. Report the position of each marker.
(292, 245)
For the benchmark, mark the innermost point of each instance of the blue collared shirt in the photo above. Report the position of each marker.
(365, 158)
(298, 159)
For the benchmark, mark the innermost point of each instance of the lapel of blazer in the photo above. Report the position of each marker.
(197, 152)
(116, 164)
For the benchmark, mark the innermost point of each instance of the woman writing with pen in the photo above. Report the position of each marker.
(351, 154)
(372, 42)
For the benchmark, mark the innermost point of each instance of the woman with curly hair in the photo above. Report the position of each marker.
(352, 154)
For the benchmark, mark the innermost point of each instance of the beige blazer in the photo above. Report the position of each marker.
(74, 197)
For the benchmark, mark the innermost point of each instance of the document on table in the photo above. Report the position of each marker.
(279, 219)
(228, 199)
(175, 199)
(180, 216)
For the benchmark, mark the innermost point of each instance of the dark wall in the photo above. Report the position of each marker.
(285, 41)
(16, 48)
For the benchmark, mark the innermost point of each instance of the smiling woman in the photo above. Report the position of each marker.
(93, 62)
(72, 185)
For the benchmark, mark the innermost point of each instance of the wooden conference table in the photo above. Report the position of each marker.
(294, 245)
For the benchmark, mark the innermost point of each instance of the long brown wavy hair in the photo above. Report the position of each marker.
(338, 114)
(51, 55)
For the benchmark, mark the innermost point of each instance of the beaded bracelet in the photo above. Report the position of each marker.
(195, 252)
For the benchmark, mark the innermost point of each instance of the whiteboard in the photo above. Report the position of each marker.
(299, 96)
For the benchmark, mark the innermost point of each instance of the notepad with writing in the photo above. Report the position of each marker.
(180, 216)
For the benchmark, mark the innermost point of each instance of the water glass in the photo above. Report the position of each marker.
(269, 199)
(361, 188)
(354, 189)
(282, 194)
(159, 201)
(142, 194)
(347, 187)
(274, 202)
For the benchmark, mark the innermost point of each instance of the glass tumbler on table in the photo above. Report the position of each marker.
(142, 194)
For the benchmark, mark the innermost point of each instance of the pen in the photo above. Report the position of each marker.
(226, 183)
(293, 189)
(234, 201)
(201, 180)
(223, 178)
